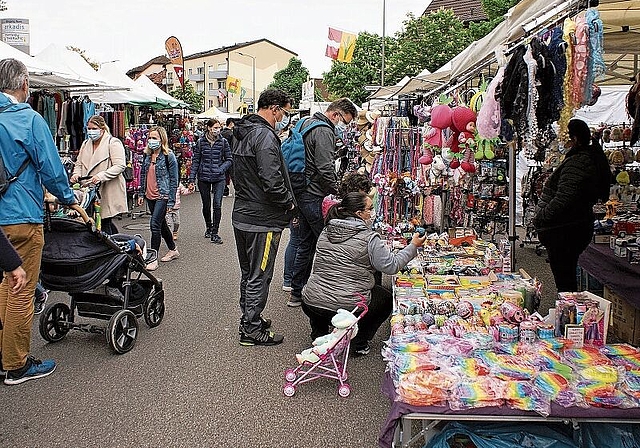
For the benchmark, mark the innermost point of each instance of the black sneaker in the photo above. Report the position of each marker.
(261, 337)
(226, 191)
(40, 302)
(216, 239)
(264, 322)
(33, 369)
(361, 351)
(207, 234)
(294, 301)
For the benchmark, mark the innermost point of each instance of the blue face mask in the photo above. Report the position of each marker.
(93, 134)
(281, 125)
(340, 129)
(153, 144)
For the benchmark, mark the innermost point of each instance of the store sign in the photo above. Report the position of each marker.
(15, 32)
(308, 90)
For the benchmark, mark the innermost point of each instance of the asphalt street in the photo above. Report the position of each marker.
(188, 382)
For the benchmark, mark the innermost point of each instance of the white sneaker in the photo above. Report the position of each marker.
(286, 288)
(171, 255)
(152, 266)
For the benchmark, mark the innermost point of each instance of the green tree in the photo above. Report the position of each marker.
(427, 42)
(290, 80)
(348, 79)
(189, 95)
(94, 65)
(495, 11)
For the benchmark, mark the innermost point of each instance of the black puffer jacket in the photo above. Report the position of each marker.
(210, 162)
(263, 193)
(571, 191)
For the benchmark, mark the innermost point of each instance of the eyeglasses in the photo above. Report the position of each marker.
(285, 111)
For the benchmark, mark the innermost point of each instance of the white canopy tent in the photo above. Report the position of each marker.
(67, 61)
(131, 93)
(214, 112)
(163, 99)
(41, 74)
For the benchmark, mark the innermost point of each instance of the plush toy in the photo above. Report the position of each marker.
(464, 127)
(322, 344)
(440, 120)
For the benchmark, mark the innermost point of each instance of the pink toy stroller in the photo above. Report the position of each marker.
(331, 364)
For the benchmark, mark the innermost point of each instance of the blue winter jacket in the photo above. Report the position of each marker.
(166, 176)
(211, 162)
(24, 134)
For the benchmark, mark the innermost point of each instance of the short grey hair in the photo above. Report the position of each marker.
(12, 74)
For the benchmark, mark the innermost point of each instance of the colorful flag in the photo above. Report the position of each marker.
(233, 84)
(341, 45)
(174, 53)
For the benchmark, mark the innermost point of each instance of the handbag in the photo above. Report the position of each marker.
(128, 174)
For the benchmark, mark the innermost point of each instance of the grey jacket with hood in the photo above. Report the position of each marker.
(347, 255)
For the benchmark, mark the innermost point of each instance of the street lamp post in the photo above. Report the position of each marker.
(253, 65)
(384, 23)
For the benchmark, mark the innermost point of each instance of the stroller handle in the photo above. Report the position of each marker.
(82, 213)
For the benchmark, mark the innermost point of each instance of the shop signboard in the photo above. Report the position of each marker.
(15, 32)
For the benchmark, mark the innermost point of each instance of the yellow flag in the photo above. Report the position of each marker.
(347, 46)
(233, 85)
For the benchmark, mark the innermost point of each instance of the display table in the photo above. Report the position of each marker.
(614, 272)
(396, 431)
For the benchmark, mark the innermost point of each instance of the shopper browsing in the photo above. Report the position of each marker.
(320, 147)
(159, 182)
(347, 255)
(211, 162)
(564, 214)
(102, 158)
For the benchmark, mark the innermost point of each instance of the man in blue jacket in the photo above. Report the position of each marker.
(24, 136)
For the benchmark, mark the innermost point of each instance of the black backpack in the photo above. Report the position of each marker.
(5, 176)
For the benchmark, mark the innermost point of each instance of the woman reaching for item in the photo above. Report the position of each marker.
(348, 253)
(103, 158)
(159, 179)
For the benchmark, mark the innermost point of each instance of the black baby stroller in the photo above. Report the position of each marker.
(104, 282)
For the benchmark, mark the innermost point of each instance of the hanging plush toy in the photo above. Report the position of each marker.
(440, 120)
(464, 126)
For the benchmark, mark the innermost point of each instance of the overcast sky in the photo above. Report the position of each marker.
(134, 31)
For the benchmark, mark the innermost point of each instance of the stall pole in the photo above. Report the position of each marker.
(384, 24)
(512, 203)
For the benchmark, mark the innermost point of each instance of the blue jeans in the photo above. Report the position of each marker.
(159, 228)
(212, 191)
(290, 254)
(311, 224)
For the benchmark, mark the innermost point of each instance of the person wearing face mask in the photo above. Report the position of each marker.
(159, 183)
(30, 154)
(348, 253)
(321, 181)
(564, 214)
(102, 158)
(211, 162)
(263, 206)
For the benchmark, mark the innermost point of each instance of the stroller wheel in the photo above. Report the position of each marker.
(53, 322)
(122, 331)
(290, 375)
(344, 391)
(153, 311)
(289, 390)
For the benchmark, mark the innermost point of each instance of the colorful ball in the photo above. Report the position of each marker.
(464, 309)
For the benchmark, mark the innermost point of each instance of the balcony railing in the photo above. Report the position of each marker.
(218, 74)
(196, 77)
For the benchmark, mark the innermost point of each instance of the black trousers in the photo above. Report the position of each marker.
(380, 308)
(564, 246)
(257, 256)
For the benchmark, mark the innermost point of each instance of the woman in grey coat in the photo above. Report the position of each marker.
(348, 254)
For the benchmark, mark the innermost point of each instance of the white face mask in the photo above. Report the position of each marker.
(153, 144)
(94, 134)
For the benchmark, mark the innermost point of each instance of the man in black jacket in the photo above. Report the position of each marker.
(320, 147)
(263, 207)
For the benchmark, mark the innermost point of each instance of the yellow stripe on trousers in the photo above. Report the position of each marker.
(267, 248)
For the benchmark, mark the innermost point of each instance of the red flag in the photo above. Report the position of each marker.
(174, 52)
(333, 45)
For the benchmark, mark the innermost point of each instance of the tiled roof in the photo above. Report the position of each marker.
(162, 60)
(465, 10)
(233, 48)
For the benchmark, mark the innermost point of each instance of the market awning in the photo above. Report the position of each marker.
(163, 99)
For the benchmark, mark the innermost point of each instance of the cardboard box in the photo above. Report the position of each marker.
(625, 319)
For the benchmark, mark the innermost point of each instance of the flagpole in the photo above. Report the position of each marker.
(384, 23)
